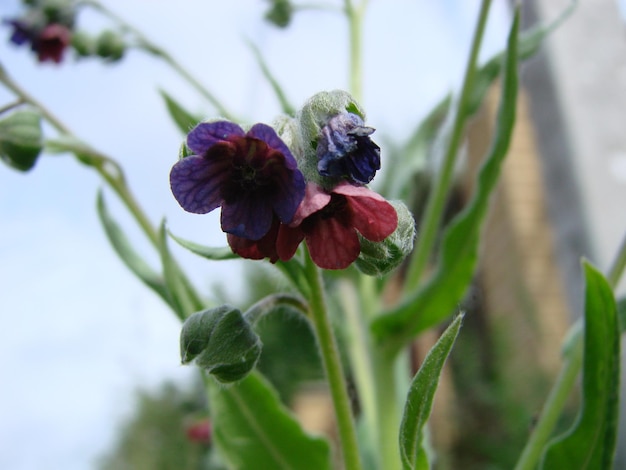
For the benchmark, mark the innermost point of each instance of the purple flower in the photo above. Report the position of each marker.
(252, 175)
(49, 42)
(22, 33)
(345, 150)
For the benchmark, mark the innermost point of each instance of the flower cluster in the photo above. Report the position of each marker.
(269, 207)
(46, 28)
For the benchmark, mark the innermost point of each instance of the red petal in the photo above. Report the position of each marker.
(332, 244)
(256, 249)
(374, 219)
(288, 240)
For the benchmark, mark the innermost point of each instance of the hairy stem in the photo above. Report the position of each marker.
(333, 367)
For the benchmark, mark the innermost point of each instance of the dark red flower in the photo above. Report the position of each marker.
(48, 42)
(51, 43)
(200, 432)
(265, 247)
(330, 222)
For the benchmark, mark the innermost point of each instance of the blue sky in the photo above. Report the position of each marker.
(80, 333)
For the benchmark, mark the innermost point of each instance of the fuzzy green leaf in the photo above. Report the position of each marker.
(420, 398)
(590, 443)
(208, 252)
(183, 119)
(438, 297)
(286, 106)
(183, 296)
(128, 255)
(252, 429)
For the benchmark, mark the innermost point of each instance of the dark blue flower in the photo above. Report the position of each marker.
(252, 175)
(345, 149)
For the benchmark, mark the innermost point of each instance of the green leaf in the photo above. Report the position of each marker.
(590, 443)
(183, 119)
(21, 139)
(528, 45)
(183, 296)
(127, 254)
(252, 429)
(420, 398)
(208, 252)
(437, 298)
(278, 90)
(407, 175)
(621, 314)
(70, 144)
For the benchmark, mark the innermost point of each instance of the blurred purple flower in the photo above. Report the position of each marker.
(345, 149)
(252, 175)
(49, 42)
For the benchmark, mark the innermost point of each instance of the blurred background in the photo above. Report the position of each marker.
(81, 335)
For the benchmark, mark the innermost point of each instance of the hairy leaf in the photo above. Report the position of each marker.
(590, 443)
(128, 255)
(183, 119)
(252, 429)
(208, 252)
(420, 398)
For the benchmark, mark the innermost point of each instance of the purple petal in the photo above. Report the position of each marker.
(250, 216)
(268, 135)
(206, 134)
(196, 182)
(290, 195)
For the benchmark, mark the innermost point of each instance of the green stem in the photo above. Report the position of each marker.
(332, 365)
(360, 355)
(355, 16)
(431, 219)
(554, 403)
(387, 410)
(110, 171)
(147, 45)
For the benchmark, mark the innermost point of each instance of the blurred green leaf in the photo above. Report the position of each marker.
(70, 144)
(183, 119)
(590, 443)
(252, 429)
(208, 252)
(621, 314)
(21, 139)
(436, 299)
(409, 162)
(278, 90)
(420, 398)
(128, 255)
(183, 296)
(528, 45)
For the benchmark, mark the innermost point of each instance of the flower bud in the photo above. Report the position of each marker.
(379, 258)
(280, 13)
(312, 119)
(83, 44)
(110, 45)
(220, 341)
(21, 139)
